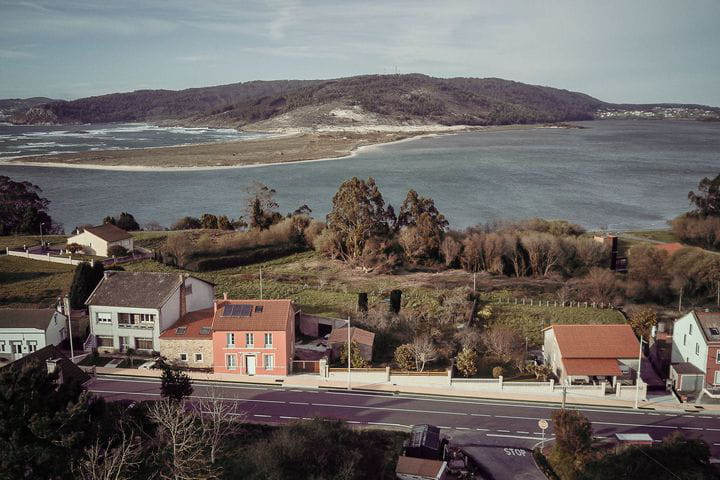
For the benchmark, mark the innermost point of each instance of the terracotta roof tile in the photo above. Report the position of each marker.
(592, 366)
(109, 232)
(710, 324)
(274, 315)
(596, 341)
(192, 323)
(419, 466)
(339, 335)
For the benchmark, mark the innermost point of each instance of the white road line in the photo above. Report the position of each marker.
(705, 417)
(520, 431)
(505, 431)
(290, 418)
(352, 421)
(306, 418)
(462, 428)
(482, 429)
(716, 444)
(202, 384)
(713, 429)
(389, 409)
(516, 436)
(443, 427)
(634, 425)
(691, 428)
(298, 403)
(262, 416)
(517, 418)
(481, 415)
(389, 424)
(654, 414)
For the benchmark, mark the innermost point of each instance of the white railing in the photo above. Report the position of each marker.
(44, 258)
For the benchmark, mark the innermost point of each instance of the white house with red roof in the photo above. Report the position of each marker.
(97, 240)
(587, 353)
(695, 360)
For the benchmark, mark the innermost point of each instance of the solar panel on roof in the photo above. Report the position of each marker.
(229, 311)
(244, 310)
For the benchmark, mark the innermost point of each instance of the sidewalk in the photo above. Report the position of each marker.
(309, 381)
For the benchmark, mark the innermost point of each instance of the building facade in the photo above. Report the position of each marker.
(695, 358)
(97, 240)
(188, 343)
(129, 310)
(25, 331)
(254, 337)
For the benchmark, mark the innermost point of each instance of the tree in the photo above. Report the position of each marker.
(601, 285)
(186, 223)
(209, 221)
(74, 248)
(423, 351)
(498, 372)
(642, 321)
(220, 419)
(450, 250)
(183, 453)
(127, 222)
(110, 220)
(84, 282)
(467, 361)
(116, 460)
(260, 206)
(224, 223)
(177, 246)
(573, 442)
(22, 209)
(356, 359)
(707, 199)
(175, 384)
(504, 343)
(43, 427)
(404, 357)
(358, 214)
(117, 251)
(415, 206)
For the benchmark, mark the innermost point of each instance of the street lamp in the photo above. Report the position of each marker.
(41, 236)
(349, 345)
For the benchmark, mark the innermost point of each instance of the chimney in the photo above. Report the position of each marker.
(183, 300)
(107, 273)
(224, 295)
(214, 307)
(52, 364)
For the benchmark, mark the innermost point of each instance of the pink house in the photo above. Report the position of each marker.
(253, 337)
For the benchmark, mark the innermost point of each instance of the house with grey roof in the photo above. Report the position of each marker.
(97, 240)
(129, 310)
(55, 362)
(26, 330)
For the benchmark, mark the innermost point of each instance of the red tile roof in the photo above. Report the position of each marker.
(708, 321)
(592, 366)
(275, 316)
(421, 467)
(339, 335)
(596, 341)
(670, 248)
(193, 322)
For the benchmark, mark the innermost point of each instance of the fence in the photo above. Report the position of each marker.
(306, 366)
(553, 303)
(42, 257)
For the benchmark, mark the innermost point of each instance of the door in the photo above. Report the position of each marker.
(250, 364)
(123, 343)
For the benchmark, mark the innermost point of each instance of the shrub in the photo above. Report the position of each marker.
(74, 248)
(186, 223)
(404, 357)
(498, 372)
(117, 251)
(467, 362)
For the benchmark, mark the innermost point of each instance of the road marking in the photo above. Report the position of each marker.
(691, 428)
(506, 431)
(290, 418)
(262, 416)
(654, 414)
(390, 424)
(444, 427)
(462, 428)
(352, 421)
(635, 425)
(389, 409)
(146, 394)
(482, 429)
(517, 418)
(481, 415)
(704, 417)
(520, 431)
(713, 429)
(298, 403)
(516, 436)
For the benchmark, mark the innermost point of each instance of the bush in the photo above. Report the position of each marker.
(404, 357)
(498, 372)
(186, 223)
(117, 251)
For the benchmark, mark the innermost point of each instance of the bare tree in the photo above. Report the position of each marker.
(423, 351)
(178, 246)
(515, 254)
(450, 250)
(111, 462)
(219, 417)
(494, 249)
(181, 435)
(504, 343)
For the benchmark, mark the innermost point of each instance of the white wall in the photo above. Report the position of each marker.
(202, 296)
(92, 245)
(684, 342)
(551, 352)
(55, 333)
(57, 330)
(170, 312)
(113, 330)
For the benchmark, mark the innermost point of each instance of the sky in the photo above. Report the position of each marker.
(635, 51)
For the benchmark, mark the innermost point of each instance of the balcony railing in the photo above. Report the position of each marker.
(144, 325)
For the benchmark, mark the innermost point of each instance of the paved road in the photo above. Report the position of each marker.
(492, 426)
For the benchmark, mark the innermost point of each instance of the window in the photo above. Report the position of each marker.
(717, 356)
(697, 349)
(690, 331)
(2, 347)
(105, 341)
(16, 347)
(269, 362)
(31, 346)
(717, 377)
(684, 340)
(231, 362)
(183, 357)
(180, 330)
(268, 340)
(205, 331)
(258, 308)
(249, 340)
(144, 343)
(188, 289)
(230, 339)
(198, 357)
(103, 317)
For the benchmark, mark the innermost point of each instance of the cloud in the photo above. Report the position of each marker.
(198, 58)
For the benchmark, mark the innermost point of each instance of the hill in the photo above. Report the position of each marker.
(411, 99)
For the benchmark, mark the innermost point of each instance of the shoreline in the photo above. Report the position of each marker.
(350, 149)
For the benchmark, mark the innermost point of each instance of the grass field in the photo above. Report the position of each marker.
(32, 283)
(665, 235)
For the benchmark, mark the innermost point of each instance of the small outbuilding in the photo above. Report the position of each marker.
(363, 338)
(97, 240)
(424, 442)
(409, 468)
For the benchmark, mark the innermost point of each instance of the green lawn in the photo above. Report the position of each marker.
(665, 235)
(151, 240)
(17, 241)
(32, 283)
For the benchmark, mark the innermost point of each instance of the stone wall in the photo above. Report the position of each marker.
(171, 349)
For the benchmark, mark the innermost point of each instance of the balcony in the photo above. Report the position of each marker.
(141, 325)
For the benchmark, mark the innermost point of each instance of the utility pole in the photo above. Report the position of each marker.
(564, 397)
(41, 237)
(261, 285)
(638, 379)
(349, 345)
(66, 304)
(474, 282)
